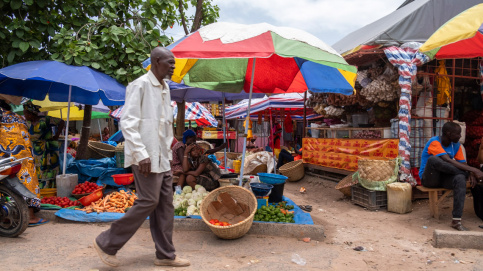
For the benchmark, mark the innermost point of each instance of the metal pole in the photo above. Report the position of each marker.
(100, 132)
(305, 113)
(273, 143)
(67, 131)
(247, 122)
(224, 126)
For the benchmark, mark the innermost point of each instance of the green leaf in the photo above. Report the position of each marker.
(19, 33)
(29, 2)
(16, 4)
(153, 11)
(34, 44)
(129, 50)
(67, 56)
(78, 60)
(24, 46)
(151, 23)
(121, 71)
(95, 65)
(2, 36)
(11, 56)
(55, 56)
(112, 62)
(154, 43)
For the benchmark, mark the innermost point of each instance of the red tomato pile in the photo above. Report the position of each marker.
(60, 201)
(218, 223)
(84, 188)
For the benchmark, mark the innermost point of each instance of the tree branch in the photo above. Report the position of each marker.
(198, 16)
(183, 19)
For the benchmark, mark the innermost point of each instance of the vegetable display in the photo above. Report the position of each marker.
(278, 213)
(85, 188)
(63, 202)
(189, 201)
(116, 202)
(219, 223)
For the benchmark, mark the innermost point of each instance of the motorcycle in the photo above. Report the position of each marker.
(14, 213)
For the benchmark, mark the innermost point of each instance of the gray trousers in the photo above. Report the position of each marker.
(155, 199)
(439, 173)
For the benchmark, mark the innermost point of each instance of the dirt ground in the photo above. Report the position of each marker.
(391, 242)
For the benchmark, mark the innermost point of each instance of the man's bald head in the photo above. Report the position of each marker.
(162, 63)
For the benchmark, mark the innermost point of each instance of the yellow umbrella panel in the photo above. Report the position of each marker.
(76, 114)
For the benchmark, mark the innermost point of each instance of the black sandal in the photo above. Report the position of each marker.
(458, 226)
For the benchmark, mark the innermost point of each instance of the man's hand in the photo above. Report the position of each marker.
(472, 180)
(478, 174)
(145, 167)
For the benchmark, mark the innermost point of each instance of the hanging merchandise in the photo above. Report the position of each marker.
(384, 87)
(443, 84)
(259, 122)
(288, 124)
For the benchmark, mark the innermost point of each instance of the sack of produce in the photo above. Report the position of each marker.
(376, 174)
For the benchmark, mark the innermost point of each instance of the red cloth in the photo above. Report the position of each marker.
(288, 124)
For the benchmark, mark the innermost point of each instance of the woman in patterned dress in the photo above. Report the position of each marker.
(15, 142)
(45, 143)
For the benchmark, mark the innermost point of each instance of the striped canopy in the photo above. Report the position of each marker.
(292, 102)
(193, 111)
(220, 57)
(460, 37)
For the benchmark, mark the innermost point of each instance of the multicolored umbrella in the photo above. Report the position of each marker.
(193, 111)
(460, 37)
(220, 57)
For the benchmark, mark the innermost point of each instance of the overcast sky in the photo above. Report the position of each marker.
(329, 20)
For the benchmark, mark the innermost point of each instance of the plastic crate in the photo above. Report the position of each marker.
(372, 200)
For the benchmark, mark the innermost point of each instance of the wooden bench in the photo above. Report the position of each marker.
(434, 198)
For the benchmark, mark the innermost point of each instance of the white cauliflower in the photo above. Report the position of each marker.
(191, 210)
(187, 189)
(197, 186)
(201, 190)
(191, 202)
(187, 196)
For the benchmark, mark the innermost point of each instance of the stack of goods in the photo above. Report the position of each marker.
(368, 134)
(189, 201)
(474, 133)
(62, 202)
(379, 84)
(116, 202)
(276, 213)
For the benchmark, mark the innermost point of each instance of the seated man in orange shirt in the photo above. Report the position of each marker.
(443, 165)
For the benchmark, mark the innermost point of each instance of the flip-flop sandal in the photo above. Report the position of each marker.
(306, 208)
(41, 222)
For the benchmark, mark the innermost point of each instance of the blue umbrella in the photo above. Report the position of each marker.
(36, 79)
(63, 83)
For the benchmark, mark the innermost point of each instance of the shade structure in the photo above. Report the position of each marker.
(220, 57)
(76, 114)
(36, 79)
(63, 83)
(193, 111)
(460, 37)
(48, 105)
(292, 103)
(181, 92)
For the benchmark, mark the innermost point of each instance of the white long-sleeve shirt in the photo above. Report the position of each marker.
(146, 123)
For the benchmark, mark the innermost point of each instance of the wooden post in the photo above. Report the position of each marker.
(82, 151)
(305, 114)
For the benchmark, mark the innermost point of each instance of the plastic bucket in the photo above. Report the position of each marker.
(65, 184)
(276, 195)
(237, 166)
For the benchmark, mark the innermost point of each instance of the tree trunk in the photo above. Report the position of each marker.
(180, 120)
(82, 150)
(198, 16)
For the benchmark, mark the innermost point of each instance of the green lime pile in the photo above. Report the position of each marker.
(273, 214)
(181, 211)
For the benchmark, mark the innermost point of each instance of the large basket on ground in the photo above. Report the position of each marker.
(345, 184)
(99, 150)
(376, 174)
(294, 170)
(241, 195)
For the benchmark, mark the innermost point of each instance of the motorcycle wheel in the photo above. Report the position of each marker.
(14, 215)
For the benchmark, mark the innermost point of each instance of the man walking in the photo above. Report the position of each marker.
(146, 124)
(443, 165)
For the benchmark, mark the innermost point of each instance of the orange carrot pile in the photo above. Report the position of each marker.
(116, 202)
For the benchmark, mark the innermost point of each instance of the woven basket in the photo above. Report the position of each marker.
(345, 184)
(99, 150)
(376, 170)
(262, 168)
(241, 195)
(229, 155)
(294, 170)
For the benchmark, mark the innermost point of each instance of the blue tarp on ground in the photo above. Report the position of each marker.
(102, 169)
(75, 215)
